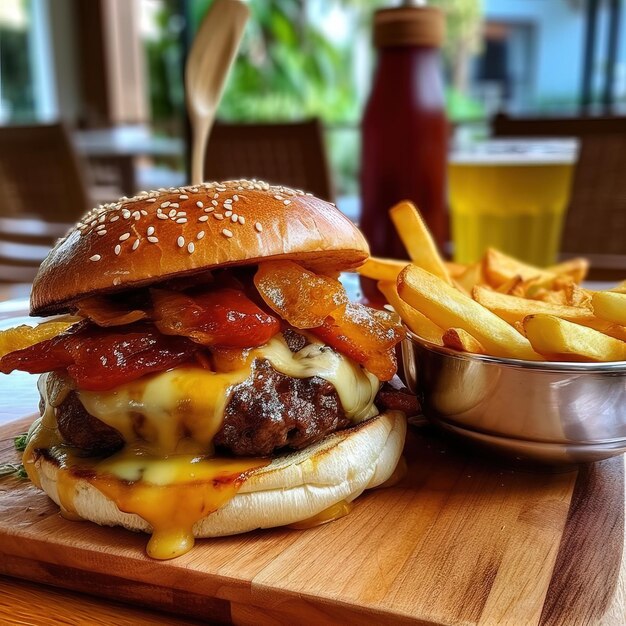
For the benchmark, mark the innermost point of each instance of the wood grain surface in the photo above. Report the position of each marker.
(460, 541)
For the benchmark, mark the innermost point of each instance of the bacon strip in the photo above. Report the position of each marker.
(98, 360)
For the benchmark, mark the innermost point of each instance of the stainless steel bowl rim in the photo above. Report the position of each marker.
(607, 367)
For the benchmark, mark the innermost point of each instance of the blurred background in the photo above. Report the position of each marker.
(112, 72)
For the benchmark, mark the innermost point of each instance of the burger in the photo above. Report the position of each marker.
(208, 375)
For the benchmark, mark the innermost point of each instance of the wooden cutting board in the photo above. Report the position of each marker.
(462, 540)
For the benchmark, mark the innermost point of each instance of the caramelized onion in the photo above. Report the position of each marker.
(300, 297)
(367, 335)
(221, 317)
(105, 312)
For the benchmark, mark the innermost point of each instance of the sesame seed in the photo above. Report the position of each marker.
(259, 227)
(228, 201)
(136, 214)
(242, 219)
(227, 233)
(278, 197)
(183, 196)
(151, 200)
(136, 244)
(172, 213)
(228, 213)
(236, 198)
(100, 226)
(164, 205)
(162, 216)
(199, 204)
(95, 257)
(114, 218)
(218, 216)
(175, 205)
(190, 247)
(181, 241)
(124, 237)
(125, 214)
(153, 240)
(209, 209)
(144, 212)
(216, 196)
(150, 231)
(203, 218)
(181, 214)
(200, 235)
(214, 202)
(182, 220)
(118, 249)
(101, 232)
(286, 202)
(234, 217)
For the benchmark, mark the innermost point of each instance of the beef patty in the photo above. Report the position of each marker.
(266, 412)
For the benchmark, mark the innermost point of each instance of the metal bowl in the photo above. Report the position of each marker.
(550, 412)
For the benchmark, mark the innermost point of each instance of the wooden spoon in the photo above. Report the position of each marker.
(212, 54)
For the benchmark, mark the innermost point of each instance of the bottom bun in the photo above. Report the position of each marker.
(292, 488)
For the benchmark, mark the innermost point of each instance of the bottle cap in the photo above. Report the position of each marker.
(409, 26)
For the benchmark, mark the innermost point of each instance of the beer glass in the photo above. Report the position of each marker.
(512, 195)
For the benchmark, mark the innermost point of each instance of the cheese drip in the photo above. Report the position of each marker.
(164, 473)
(171, 494)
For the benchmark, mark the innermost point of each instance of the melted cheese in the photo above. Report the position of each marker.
(171, 410)
(165, 473)
(182, 409)
(170, 493)
(335, 511)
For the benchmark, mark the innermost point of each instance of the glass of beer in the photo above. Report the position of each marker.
(511, 195)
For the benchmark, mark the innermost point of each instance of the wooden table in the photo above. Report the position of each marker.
(459, 538)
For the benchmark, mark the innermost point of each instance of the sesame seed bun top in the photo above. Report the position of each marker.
(163, 234)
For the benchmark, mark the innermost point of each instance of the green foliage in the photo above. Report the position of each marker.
(288, 69)
(20, 442)
(17, 82)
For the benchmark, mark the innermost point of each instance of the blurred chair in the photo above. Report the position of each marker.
(40, 173)
(290, 154)
(24, 243)
(504, 126)
(595, 224)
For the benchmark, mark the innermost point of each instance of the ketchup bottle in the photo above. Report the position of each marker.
(404, 128)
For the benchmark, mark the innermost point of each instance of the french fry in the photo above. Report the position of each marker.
(559, 297)
(575, 268)
(417, 239)
(610, 305)
(578, 296)
(449, 308)
(511, 285)
(458, 339)
(455, 269)
(608, 328)
(416, 321)
(382, 269)
(558, 339)
(499, 267)
(513, 309)
(621, 288)
(472, 276)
